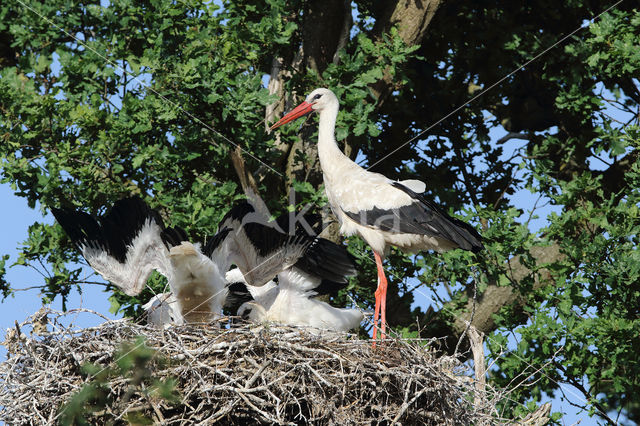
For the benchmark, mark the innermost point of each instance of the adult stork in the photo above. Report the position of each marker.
(382, 211)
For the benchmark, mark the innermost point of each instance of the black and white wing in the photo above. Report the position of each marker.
(124, 246)
(247, 301)
(408, 212)
(324, 268)
(258, 248)
(238, 293)
(289, 302)
(297, 306)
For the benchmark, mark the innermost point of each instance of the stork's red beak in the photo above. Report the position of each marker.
(303, 109)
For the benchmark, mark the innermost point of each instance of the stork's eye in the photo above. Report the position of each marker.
(316, 97)
(245, 314)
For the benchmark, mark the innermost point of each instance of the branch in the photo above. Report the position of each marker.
(412, 18)
(344, 34)
(322, 32)
(493, 299)
(476, 341)
(513, 135)
(247, 181)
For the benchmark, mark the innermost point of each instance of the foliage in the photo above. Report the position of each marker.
(150, 97)
(133, 362)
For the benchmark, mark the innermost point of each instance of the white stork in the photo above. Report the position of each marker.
(382, 211)
(130, 242)
(291, 301)
(162, 311)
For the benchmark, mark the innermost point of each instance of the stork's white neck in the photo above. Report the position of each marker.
(328, 151)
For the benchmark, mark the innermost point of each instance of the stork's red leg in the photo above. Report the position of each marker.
(376, 312)
(381, 299)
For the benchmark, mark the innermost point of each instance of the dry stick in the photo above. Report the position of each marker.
(476, 341)
(473, 310)
(308, 362)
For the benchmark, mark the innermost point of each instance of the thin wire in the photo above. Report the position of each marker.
(193, 117)
(591, 21)
(149, 87)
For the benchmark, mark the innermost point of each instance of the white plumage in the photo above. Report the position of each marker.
(127, 246)
(382, 211)
(197, 283)
(130, 242)
(146, 252)
(291, 302)
(162, 311)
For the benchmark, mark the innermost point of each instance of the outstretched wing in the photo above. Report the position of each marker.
(328, 261)
(174, 236)
(125, 247)
(258, 248)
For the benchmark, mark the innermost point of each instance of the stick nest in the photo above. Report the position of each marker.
(233, 375)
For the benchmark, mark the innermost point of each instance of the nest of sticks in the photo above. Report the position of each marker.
(229, 374)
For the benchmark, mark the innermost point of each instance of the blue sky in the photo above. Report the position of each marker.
(15, 219)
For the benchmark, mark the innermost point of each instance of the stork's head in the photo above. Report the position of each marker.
(252, 311)
(318, 100)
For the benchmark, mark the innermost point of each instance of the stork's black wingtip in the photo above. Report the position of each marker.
(172, 237)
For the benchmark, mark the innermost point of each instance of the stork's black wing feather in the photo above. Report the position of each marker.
(265, 246)
(80, 227)
(266, 237)
(124, 221)
(238, 293)
(291, 223)
(329, 287)
(115, 231)
(421, 217)
(323, 258)
(327, 260)
(214, 242)
(172, 237)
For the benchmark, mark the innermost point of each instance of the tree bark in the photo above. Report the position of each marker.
(494, 298)
(325, 29)
(411, 18)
